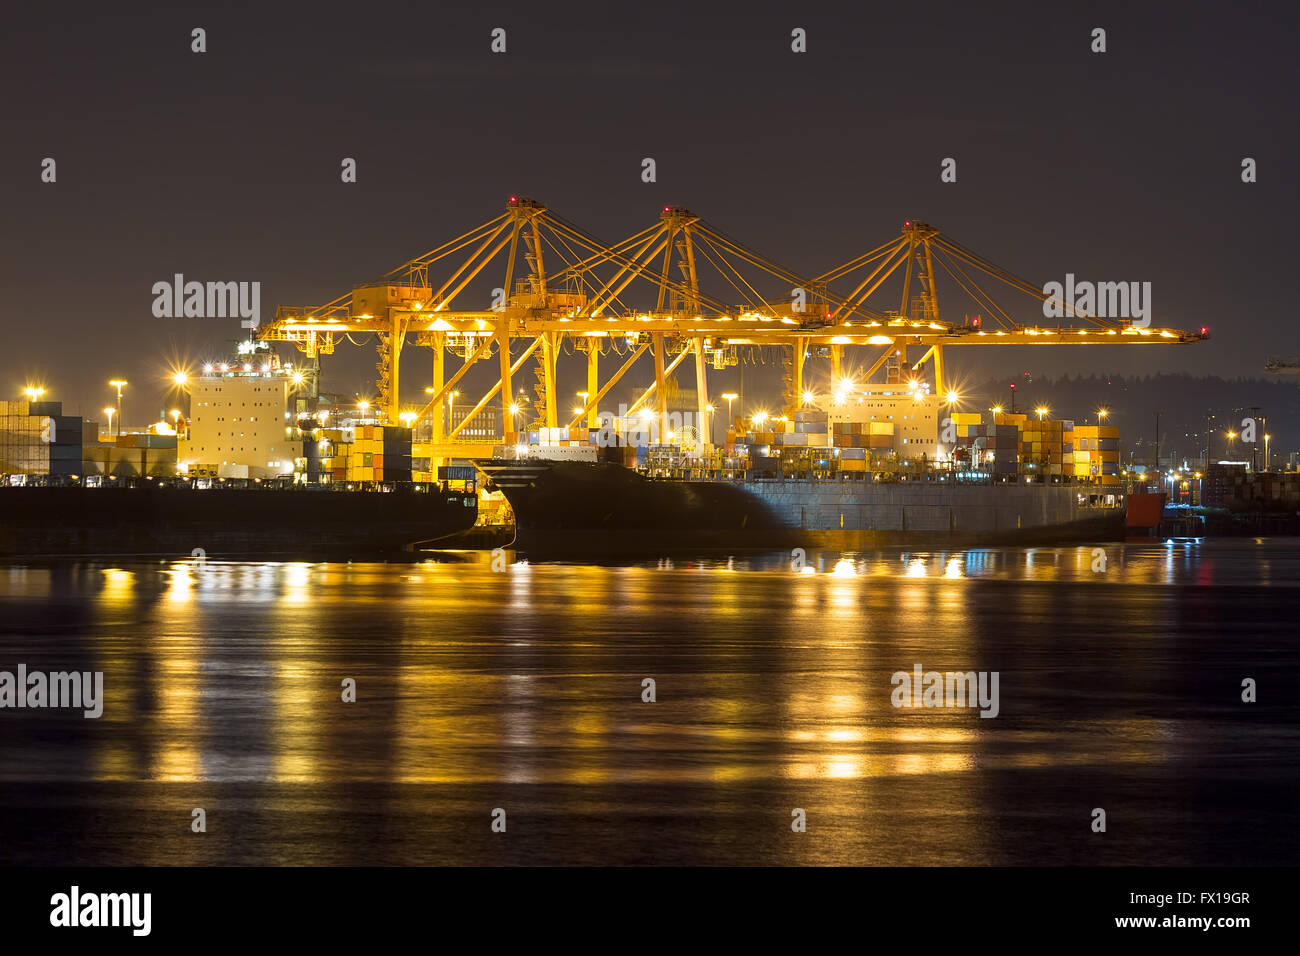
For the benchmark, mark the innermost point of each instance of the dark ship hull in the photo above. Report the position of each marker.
(237, 522)
(604, 509)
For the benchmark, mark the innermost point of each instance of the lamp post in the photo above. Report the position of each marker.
(33, 393)
(119, 384)
(109, 412)
(730, 397)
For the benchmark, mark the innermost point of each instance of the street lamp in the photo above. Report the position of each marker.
(996, 409)
(407, 418)
(119, 384)
(1101, 415)
(109, 412)
(808, 398)
(1041, 410)
(1267, 439)
(33, 393)
(953, 398)
(730, 397)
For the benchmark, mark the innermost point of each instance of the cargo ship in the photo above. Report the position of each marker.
(157, 519)
(887, 465)
(605, 509)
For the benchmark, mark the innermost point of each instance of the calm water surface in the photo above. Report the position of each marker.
(522, 690)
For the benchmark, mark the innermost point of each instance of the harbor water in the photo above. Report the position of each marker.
(503, 710)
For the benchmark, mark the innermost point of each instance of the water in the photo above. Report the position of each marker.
(522, 691)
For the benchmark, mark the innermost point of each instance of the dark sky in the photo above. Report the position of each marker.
(225, 166)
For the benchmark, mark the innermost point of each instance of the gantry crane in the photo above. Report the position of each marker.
(563, 288)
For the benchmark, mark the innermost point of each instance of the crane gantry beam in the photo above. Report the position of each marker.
(721, 297)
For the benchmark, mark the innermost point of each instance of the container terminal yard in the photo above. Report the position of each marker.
(873, 446)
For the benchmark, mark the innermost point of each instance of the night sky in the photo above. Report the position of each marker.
(225, 166)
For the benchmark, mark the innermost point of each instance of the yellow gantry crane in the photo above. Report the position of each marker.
(677, 288)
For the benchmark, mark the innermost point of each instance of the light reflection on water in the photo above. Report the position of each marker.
(773, 691)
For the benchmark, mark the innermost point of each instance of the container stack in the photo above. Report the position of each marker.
(21, 449)
(878, 436)
(379, 453)
(1047, 447)
(1008, 418)
(1096, 453)
(995, 448)
(560, 437)
(813, 423)
(337, 451)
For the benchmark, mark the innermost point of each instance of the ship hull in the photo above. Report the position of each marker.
(596, 510)
(243, 523)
